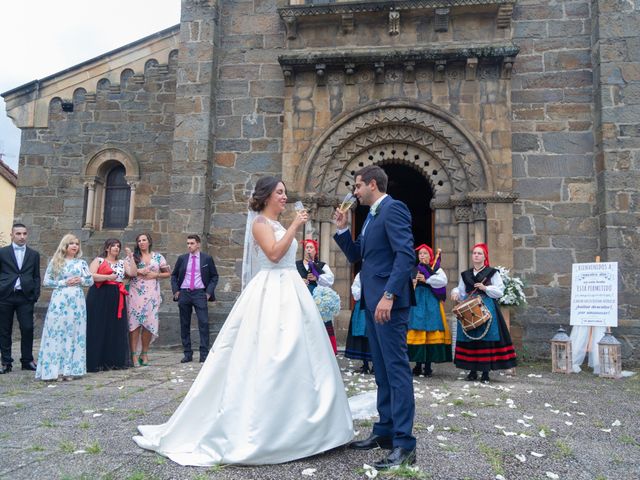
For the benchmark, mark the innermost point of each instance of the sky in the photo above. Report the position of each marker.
(42, 37)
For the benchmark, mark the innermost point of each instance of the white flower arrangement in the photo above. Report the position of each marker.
(513, 289)
(328, 302)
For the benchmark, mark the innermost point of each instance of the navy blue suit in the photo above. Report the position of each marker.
(386, 252)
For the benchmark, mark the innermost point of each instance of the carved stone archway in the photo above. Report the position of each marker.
(457, 164)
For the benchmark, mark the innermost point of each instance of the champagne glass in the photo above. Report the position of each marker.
(348, 202)
(299, 206)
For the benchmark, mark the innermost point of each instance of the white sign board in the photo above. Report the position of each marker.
(594, 294)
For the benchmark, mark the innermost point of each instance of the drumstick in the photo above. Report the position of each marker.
(435, 260)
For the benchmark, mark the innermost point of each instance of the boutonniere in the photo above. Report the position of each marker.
(374, 211)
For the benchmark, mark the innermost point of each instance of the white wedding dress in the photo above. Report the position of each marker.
(270, 390)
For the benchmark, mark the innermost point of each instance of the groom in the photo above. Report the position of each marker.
(385, 247)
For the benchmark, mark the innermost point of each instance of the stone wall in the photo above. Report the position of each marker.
(135, 116)
(575, 186)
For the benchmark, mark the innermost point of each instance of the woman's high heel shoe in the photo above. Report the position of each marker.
(142, 362)
(135, 358)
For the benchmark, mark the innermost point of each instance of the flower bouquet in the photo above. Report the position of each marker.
(513, 289)
(328, 302)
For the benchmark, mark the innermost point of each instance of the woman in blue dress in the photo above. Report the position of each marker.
(63, 348)
(357, 342)
(429, 337)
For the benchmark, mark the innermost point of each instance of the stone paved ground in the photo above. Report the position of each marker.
(82, 429)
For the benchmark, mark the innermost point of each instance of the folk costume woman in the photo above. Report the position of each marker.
(357, 341)
(428, 338)
(316, 273)
(489, 346)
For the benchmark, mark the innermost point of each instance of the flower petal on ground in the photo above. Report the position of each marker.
(536, 454)
(521, 457)
(309, 471)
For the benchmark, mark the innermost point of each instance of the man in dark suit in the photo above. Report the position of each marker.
(193, 282)
(19, 291)
(385, 247)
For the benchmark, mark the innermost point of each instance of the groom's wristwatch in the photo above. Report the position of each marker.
(389, 295)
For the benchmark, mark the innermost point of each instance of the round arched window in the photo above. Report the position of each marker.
(116, 199)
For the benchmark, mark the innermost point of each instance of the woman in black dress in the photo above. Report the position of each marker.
(107, 325)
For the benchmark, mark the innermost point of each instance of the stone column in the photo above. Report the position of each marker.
(463, 216)
(132, 202)
(91, 192)
(479, 212)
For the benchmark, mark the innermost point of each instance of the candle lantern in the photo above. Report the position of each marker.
(561, 352)
(610, 355)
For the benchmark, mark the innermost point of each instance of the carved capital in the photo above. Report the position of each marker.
(471, 69)
(394, 23)
(347, 23)
(379, 71)
(289, 77)
(409, 72)
(321, 74)
(291, 25)
(479, 211)
(441, 20)
(439, 70)
(462, 213)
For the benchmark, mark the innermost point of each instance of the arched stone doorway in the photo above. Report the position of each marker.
(402, 136)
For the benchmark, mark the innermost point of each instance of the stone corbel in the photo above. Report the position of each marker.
(289, 77)
(409, 72)
(479, 211)
(504, 15)
(291, 25)
(507, 67)
(321, 74)
(394, 23)
(471, 69)
(441, 20)
(439, 70)
(378, 68)
(347, 23)
(349, 73)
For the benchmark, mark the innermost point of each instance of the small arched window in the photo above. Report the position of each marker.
(116, 199)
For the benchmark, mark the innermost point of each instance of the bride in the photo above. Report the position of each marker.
(270, 390)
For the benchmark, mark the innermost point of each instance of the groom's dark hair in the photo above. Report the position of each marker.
(373, 172)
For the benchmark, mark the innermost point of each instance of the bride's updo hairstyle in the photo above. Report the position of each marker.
(263, 190)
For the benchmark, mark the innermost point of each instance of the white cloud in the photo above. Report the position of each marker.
(41, 37)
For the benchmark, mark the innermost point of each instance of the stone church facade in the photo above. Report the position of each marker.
(514, 123)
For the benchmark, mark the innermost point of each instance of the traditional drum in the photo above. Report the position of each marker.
(472, 313)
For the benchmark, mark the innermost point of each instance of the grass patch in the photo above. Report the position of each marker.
(139, 476)
(84, 425)
(67, 447)
(364, 423)
(36, 448)
(629, 440)
(160, 460)
(136, 413)
(598, 424)
(493, 456)
(545, 429)
(47, 423)
(94, 448)
(215, 468)
(564, 450)
(458, 403)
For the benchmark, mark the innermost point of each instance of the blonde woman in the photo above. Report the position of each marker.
(63, 346)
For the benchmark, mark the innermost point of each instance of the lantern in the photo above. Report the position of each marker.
(561, 352)
(610, 355)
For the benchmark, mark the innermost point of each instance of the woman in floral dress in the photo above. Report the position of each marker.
(144, 298)
(63, 346)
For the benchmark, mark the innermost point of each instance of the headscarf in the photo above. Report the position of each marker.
(485, 249)
(427, 248)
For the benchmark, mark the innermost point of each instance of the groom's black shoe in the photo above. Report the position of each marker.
(30, 366)
(5, 368)
(186, 359)
(374, 441)
(398, 456)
